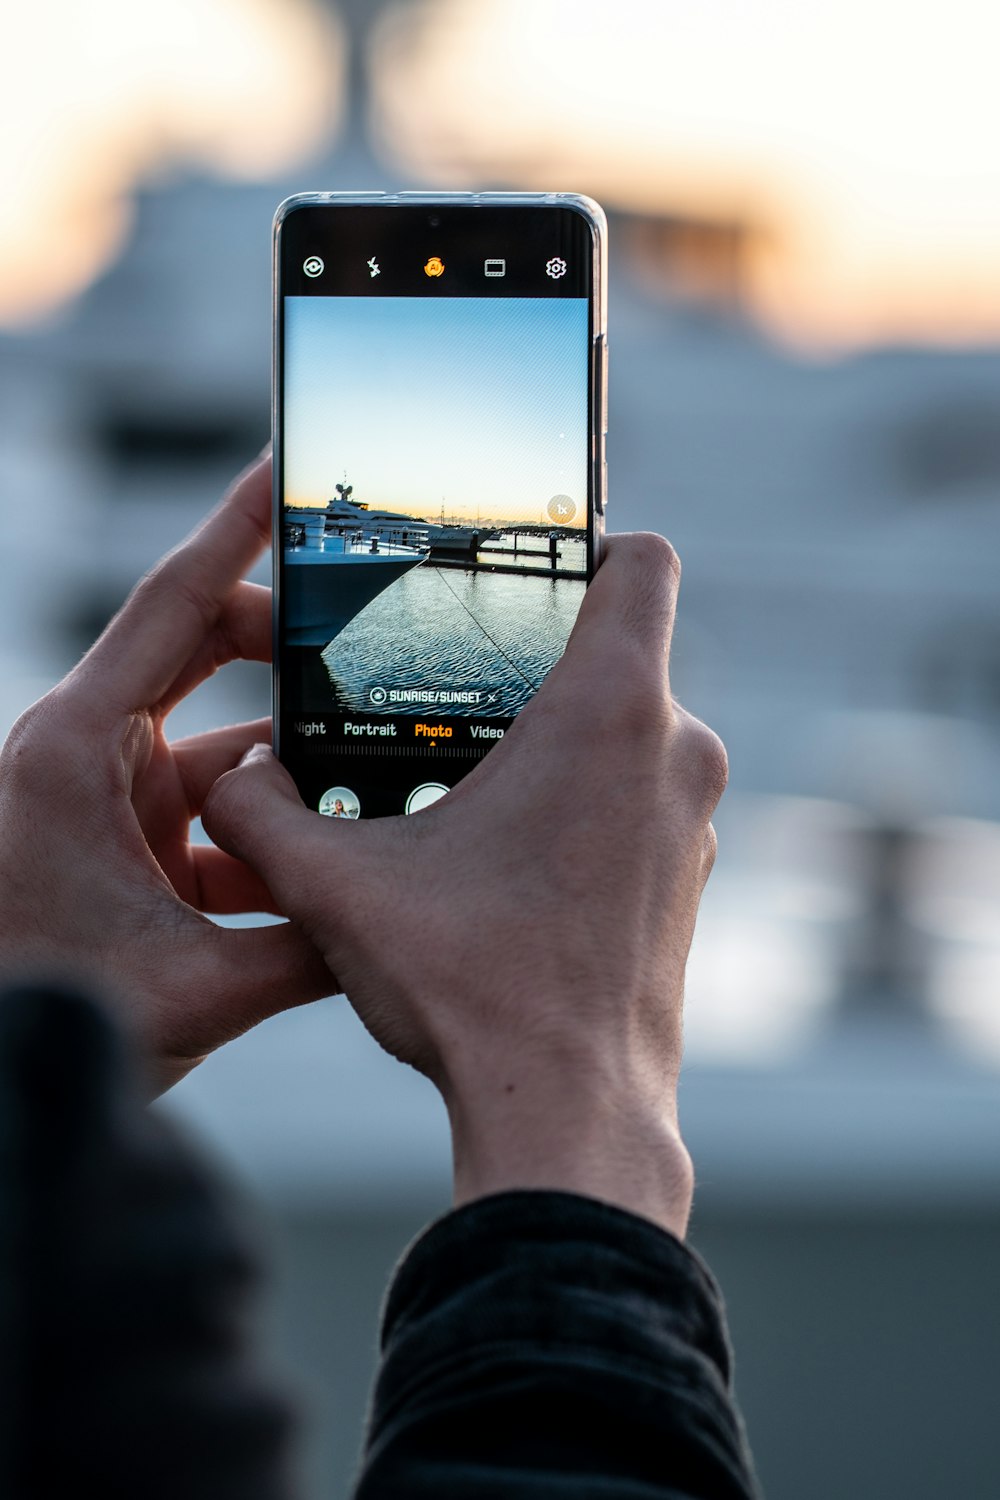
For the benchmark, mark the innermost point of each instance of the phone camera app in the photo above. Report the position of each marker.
(425, 795)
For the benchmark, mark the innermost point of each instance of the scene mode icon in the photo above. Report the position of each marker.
(434, 267)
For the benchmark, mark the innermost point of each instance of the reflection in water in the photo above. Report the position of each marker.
(445, 628)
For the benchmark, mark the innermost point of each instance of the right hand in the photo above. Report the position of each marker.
(523, 941)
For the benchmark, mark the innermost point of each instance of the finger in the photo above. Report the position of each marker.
(613, 678)
(632, 600)
(256, 815)
(241, 633)
(260, 971)
(202, 758)
(226, 886)
(166, 618)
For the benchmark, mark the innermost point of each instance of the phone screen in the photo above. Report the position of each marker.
(438, 484)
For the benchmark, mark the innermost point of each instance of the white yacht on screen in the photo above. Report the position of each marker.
(446, 538)
(337, 560)
(343, 512)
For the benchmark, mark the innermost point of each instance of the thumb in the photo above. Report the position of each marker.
(256, 814)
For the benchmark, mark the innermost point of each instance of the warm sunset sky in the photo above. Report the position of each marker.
(100, 95)
(863, 137)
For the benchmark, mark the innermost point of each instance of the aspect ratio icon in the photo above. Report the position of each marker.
(555, 267)
(313, 266)
(434, 267)
(495, 267)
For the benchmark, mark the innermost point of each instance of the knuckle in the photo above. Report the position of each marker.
(655, 568)
(661, 554)
(708, 760)
(32, 742)
(649, 550)
(26, 728)
(173, 579)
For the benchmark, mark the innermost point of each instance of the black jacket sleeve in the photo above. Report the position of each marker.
(535, 1344)
(127, 1367)
(546, 1345)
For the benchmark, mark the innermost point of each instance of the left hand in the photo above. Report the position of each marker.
(99, 881)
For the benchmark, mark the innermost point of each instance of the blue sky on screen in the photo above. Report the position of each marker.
(478, 405)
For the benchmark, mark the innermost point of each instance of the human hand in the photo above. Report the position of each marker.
(523, 941)
(99, 882)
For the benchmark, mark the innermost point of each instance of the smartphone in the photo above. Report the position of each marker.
(440, 399)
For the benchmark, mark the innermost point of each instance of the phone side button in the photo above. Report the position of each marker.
(604, 389)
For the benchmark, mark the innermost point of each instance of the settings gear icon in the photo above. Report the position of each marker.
(556, 267)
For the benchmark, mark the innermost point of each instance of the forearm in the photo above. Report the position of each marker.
(543, 1344)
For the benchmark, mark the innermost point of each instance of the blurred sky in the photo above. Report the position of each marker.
(859, 140)
(482, 403)
(101, 97)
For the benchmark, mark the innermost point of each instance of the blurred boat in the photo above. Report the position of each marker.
(457, 541)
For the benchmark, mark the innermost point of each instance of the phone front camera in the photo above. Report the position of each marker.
(434, 221)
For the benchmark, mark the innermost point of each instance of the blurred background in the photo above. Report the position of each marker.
(805, 396)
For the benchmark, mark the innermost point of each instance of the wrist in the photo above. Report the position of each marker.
(571, 1129)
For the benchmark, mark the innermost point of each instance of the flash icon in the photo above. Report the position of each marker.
(374, 267)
